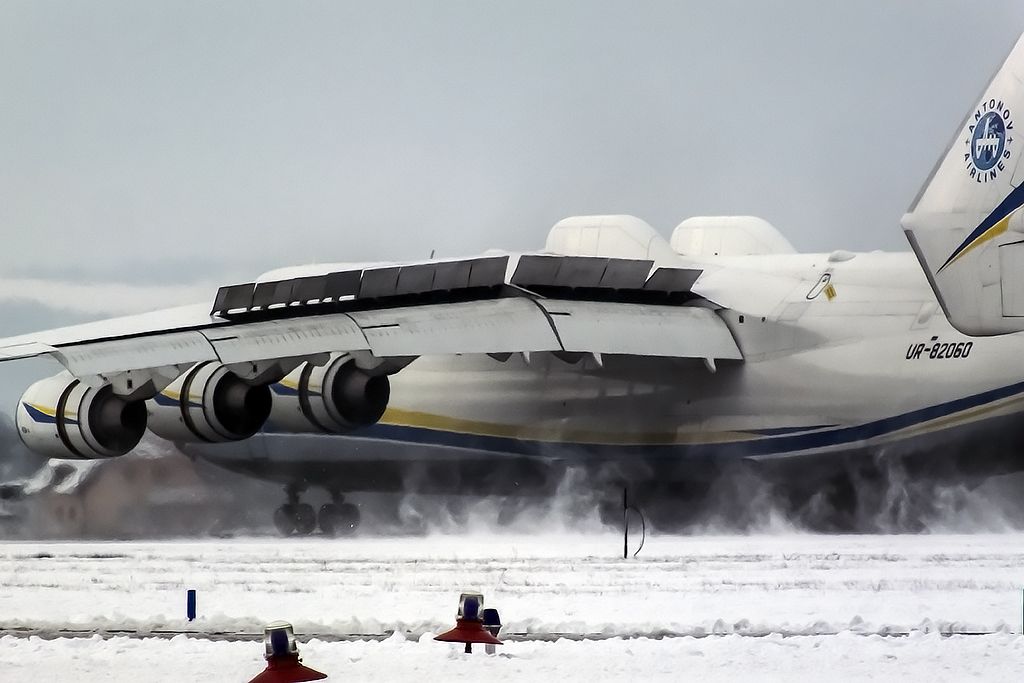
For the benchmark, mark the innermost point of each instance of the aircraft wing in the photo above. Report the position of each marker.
(494, 304)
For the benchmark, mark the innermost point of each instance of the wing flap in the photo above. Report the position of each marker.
(154, 323)
(24, 350)
(136, 353)
(641, 330)
(512, 324)
(287, 338)
(501, 325)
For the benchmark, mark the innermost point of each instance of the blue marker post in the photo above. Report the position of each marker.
(190, 604)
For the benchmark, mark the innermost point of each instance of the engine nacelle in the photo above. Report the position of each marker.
(209, 403)
(60, 417)
(336, 397)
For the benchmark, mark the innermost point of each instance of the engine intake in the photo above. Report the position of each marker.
(209, 403)
(60, 417)
(336, 397)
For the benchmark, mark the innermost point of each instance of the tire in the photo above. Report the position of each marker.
(347, 520)
(305, 519)
(284, 519)
(328, 519)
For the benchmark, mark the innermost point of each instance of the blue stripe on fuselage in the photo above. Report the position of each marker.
(768, 445)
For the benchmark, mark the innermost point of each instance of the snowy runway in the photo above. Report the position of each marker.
(808, 600)
(730, 658)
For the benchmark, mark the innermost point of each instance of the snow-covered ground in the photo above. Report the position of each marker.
(843, 657)
(786, 607)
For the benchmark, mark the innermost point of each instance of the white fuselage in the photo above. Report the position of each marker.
(870, 359)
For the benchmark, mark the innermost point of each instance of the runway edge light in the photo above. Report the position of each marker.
(492, 624)
(282, 655)
(469, 624)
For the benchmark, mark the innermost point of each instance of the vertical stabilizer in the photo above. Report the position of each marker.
(966, 225)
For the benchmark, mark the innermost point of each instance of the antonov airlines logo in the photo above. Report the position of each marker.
(988, 141)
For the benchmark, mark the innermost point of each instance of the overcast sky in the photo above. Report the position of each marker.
(177, 142)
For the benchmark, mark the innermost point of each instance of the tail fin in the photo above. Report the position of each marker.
(967, 225)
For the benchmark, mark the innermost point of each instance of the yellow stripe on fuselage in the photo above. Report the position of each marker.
(957, 419)
(556, 434)
(550, 433)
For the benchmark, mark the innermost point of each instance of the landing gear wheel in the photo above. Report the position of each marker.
(284, 519)
(305, 519)
(327, 518)
(339, 519)
(295, 518)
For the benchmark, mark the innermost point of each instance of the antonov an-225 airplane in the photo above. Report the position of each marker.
(652, 363)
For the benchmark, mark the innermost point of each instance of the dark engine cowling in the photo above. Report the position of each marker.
(336, 397)
(209, 403)
(60, 417)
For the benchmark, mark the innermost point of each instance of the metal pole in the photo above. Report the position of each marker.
(625, 524)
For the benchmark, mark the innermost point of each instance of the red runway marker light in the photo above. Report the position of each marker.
(469, 626)
(282, 654)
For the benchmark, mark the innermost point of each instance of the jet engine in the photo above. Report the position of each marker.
(60, 417)
(209, 403)
(335, 397)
